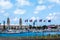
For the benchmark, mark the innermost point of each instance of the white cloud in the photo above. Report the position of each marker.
(42, 7)
(40, 1)
(50, 16)
(19, 11)
(55, 1)
(57, 14)
(23, 2)
(39, 8)
(36, 12)
(5, 4)
(54, 16)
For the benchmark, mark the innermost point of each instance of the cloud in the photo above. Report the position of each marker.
(36, 12)
(57, 15)
(5, 4)
(19, 11)
(23, 2)
(50, 16)
(55, 1)
(54, 16)
(42, 7)
(40, 1)
(39, 8)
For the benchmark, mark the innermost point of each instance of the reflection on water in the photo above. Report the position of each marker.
(29, 34)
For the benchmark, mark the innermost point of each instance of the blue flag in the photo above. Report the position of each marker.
(40, 20)
(49, 20)
(26, 20)
(31, 20)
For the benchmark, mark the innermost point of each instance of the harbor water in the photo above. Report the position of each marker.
(28, 34)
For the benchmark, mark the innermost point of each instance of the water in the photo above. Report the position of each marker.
(29, 34)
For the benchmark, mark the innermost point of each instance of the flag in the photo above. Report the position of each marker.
(30, 20)
(49, 20)
(26, 20)
(44, 21)
(34, 22)
(40, 20)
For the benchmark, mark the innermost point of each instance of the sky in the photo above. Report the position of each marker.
(30, 9)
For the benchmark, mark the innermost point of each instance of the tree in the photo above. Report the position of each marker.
(39, 27)
(30, 26)
(34, 27)
(44, 27)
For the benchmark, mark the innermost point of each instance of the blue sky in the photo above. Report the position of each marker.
(30, 9)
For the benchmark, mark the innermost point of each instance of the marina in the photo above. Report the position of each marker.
(29, 19)
(25, 34)
(24, 30)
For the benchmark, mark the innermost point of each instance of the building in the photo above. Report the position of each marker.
(8, 22)
(20, 22)
(4, 25)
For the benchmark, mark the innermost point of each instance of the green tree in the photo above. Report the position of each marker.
(44, 27)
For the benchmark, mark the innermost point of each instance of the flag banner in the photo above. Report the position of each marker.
(26, 20)
(49, 20)
(31, 20)
(33, 23)
(40, 20)
(44, 21)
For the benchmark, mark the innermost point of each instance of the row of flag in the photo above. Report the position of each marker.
(36, 20)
